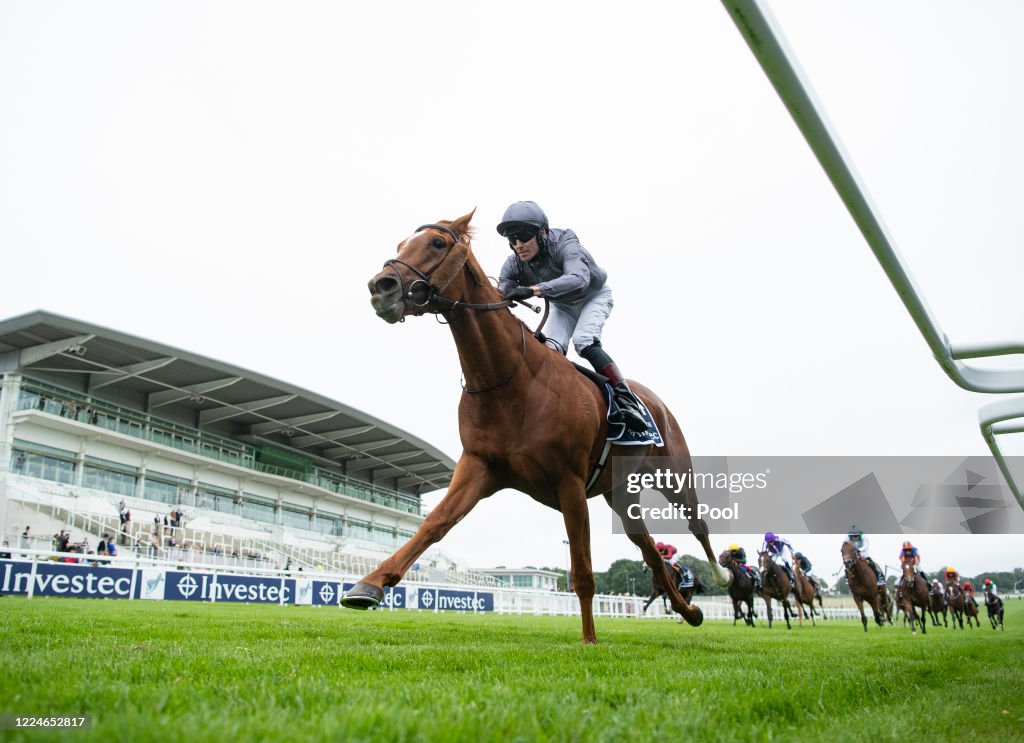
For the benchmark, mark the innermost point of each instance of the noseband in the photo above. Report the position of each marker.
(433, 294)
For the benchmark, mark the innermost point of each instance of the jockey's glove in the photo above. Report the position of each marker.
(519, 292)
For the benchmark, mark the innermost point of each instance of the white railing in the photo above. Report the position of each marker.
(768, 43)
(505, 600)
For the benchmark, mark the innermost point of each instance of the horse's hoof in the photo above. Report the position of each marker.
(363, 596)
(697, 617)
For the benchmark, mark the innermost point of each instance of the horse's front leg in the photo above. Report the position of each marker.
(572, 501)
(471, 482)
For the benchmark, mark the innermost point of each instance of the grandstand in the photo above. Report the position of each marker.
(211, 463)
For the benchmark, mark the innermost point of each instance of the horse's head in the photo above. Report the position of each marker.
(908, 570)
(429, 261)
(849, 553)
(764, 561)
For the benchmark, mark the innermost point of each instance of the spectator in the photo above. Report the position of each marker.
(19, 464)
(25, 537)
(5, 554)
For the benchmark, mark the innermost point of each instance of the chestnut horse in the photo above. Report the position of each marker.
(527, 420)
(775, 584)
(658, 590)
(913, 592)
(994, 606)
(803, 592)
(863, 584)
(741, 591)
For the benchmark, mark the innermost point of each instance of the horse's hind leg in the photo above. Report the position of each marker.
(637, 532)
(688, 501)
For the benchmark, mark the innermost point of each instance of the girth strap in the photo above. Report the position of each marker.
(601, 462)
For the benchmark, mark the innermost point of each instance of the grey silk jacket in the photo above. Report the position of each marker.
(565, 272)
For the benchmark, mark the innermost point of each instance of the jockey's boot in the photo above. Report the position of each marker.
(878, 573)
(629, 407)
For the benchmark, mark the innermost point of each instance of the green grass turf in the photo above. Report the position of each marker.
(193, 672)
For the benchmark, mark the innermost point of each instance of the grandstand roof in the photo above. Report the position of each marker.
(219, 397)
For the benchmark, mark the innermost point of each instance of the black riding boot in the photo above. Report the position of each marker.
(629, 407)
(878, 573)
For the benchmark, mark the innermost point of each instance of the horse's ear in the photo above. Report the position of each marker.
(461, 225)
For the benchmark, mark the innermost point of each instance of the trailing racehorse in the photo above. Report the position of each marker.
(775, 584)
(913, 594)
(956, 601)
(994, 607)
(741, 590)
(937, 603)
(528, 420)
(686, 591)
(863, 584)
(803, 592)
(971, 610)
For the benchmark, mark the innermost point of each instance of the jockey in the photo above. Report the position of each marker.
(968, 590)
(739, 554)
(990, 587)
(686, 578)
(666, 550)
(776, 547)
(952, 576)
(806, 567)
(909, 552)
(550, 263)
(860, 543)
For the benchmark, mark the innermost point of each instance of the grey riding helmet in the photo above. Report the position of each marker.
(522, 213)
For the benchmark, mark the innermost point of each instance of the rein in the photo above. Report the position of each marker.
(433, 294)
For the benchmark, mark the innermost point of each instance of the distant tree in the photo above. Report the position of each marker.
(620, 577)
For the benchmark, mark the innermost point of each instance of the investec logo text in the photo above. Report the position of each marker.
(55, 580)
(444, 600)
(203, 588)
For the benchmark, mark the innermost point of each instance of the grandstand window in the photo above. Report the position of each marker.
(359, 530)
(100, 478)
(522, 581)
(295, 517)
(165, 492)
(257, 509)
(327, 524)
(47, 467)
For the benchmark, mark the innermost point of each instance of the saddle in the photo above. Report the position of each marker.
(619, 433)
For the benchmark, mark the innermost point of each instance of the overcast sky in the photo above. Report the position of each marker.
(225, 177)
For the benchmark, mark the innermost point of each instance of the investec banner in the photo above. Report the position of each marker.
(440, 599)
(210, 587)
(67, 579)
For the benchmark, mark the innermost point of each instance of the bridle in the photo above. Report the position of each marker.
(433, 295)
